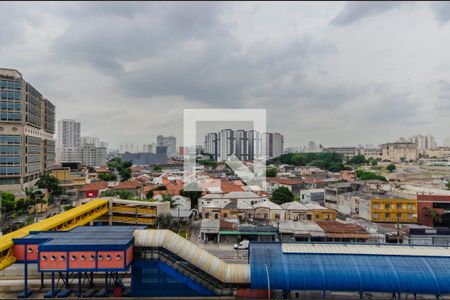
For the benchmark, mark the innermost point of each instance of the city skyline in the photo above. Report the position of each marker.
(313, 69)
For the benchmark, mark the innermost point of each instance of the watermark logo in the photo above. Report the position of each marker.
(244, 153)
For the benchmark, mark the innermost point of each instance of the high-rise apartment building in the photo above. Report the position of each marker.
(93, 156)
(447, 142)
(72, 147)
(68, 133)
(149, 148)
(90, 140)
(423, 142)
(277, 148)
(167, 141)
(246, 145)
(68, 141)
(27, 125)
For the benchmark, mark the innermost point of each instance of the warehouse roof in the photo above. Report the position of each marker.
(348, 267)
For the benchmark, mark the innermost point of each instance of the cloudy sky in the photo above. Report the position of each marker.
(336, 73)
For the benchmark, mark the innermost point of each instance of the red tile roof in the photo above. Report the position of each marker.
(312, 180)
(437, 198)
(341, 228)
(148, 188)
(285, 181)
(95, 186)
(228, 186)
(174, 187)
(137, 168)
(128, 185)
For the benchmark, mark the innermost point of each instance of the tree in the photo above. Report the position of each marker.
(149, 194)
(357, 160)
(448, 185)
(403, 159)
(8, 202)
(50, 183)
(127, 195)
(157, 168)
(271, 172)
(391, 168)
(323, 160)
(125, 174)
(166, 221)
(107, 176)
(169, 198)
(121, 166)
(434, 214)
(374, 163)
(365, 175)
(282, 195)
(192, 191)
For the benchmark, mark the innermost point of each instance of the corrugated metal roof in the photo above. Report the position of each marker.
(366, 249)
(339, 272)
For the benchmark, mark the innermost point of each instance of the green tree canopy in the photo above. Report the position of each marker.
(391, 168)
(8, 202)
(121, 166)
(357, 160)
(107, 176)
(192, 191)
(330, 161)
(50, 183)
(282, 195)
(448, 185)
(271, 172)
(169, 198)
(157, 168)
(149, 194)
(366, 175)
(127, 195)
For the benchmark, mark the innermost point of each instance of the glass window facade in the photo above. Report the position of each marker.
(10, 97)
(10, 154)
(33, 108)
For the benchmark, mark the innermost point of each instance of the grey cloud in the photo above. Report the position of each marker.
(442, 90)
(357, 10)
(13, 18)
(441, 11)
(147, 31)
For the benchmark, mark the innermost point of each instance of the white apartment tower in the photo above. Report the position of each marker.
(167, 141)
(245, 144)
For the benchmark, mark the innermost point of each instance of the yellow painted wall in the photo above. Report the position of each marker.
(389, 210)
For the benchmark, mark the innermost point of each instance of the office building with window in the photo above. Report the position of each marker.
(167, 141)
(27, 125)
(245, 144)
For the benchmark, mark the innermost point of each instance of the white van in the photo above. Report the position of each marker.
(243, 245)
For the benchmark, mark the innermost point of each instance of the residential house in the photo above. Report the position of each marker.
(93, 190)
(132, 186)
(268, 211)
(295, 186)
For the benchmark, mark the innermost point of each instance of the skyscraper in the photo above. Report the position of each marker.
(167, 141)
(27, 125)
(447, 142)
(68, 133)
(68, 141)
(246, 145)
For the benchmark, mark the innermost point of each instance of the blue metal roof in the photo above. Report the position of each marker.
(347, 272)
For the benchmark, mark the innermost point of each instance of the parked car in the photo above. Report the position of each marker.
(243, 245)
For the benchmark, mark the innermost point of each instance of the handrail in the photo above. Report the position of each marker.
(202, 259)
